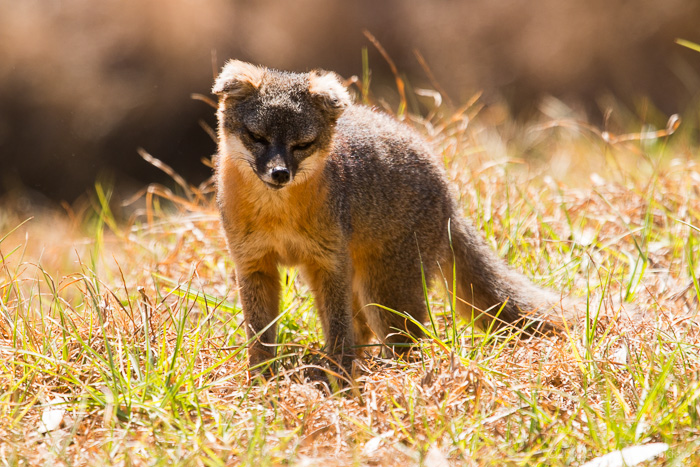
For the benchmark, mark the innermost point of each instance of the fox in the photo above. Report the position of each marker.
(361, 204)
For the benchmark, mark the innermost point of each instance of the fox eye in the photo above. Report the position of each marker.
(303, 146)
(256, 137)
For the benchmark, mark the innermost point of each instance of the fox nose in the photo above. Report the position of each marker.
(280, 175)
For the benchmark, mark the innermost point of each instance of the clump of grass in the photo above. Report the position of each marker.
(122, 343)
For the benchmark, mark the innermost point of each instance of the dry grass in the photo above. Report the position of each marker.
(121, 343)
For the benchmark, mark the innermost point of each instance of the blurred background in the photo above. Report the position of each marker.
(83, 84)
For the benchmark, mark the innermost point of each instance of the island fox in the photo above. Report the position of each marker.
(356, 200)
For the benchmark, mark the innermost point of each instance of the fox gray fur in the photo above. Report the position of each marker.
(359, 203)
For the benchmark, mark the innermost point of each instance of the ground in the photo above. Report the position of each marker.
(121, 340)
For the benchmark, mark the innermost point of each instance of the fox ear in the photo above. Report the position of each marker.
(327, 86)
(238, 78)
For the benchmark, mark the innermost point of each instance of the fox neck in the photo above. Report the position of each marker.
(245, 192)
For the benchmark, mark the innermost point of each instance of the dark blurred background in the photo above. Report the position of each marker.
(83, 84)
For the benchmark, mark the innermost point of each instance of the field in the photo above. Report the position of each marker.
(121, 339)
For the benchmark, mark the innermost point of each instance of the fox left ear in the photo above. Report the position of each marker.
(238, 79)
(326, 85)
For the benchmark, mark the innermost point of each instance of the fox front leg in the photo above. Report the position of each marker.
(259, 291)
(332, 287)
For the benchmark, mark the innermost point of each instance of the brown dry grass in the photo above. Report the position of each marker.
(125, 338)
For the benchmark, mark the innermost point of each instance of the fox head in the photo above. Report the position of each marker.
(279, 123)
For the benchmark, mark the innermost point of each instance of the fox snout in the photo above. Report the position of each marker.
(276, 171)
(280, 175)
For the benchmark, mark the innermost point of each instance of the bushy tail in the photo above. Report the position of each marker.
(489, 291)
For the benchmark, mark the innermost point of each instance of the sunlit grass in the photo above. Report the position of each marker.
(122, 341)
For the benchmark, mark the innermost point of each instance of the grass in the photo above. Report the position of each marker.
(122, 344)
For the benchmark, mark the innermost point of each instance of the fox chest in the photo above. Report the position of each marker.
(289, 246)
(293, 226)
(292, 240)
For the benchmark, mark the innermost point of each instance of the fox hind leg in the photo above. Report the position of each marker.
(394, 304)
(363, 332)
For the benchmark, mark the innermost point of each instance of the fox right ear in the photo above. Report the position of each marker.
(238, 78)
(327, 86)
